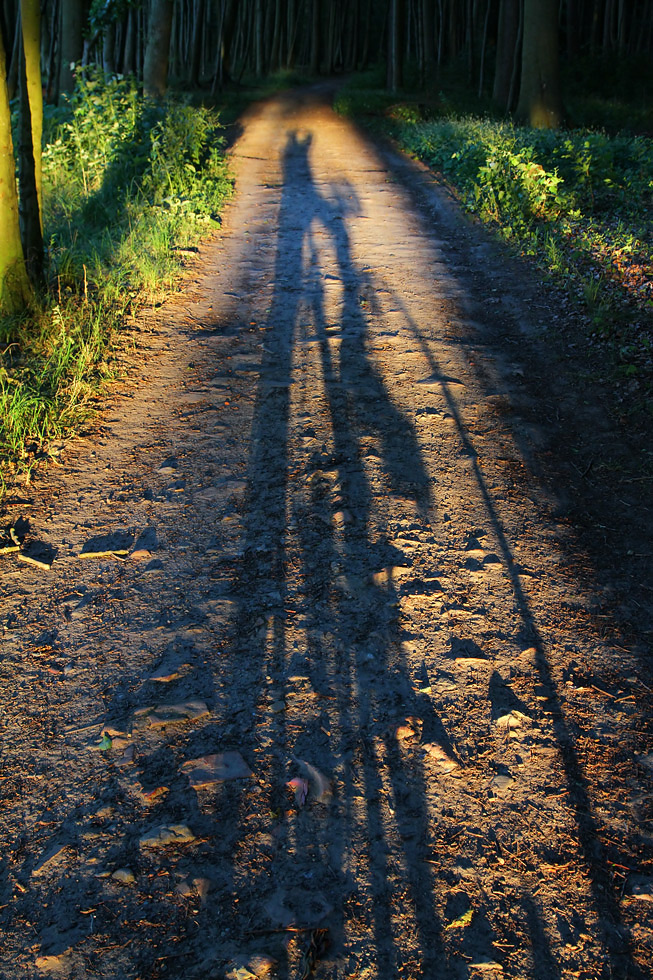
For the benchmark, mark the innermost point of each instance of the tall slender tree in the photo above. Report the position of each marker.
(157, 51)
(540, 96)
(15, 290)
(396, 26)
(507, 37)
(73, 19)
(30, 12)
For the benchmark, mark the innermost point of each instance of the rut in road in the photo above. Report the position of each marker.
(315, 712)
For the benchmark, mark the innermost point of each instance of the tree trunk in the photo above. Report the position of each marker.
(316, 37)
(157, 51)
(276, 56)
(508, 32)
(30, 12)
(572, 29)
(540, 97)
(52, 82)
(14, 64)
(131, 38)
(196, 46)
(395, 46)
(15, 290)
(71, 39)
(29, 211)
(486, 25)
(428, 38)
(109, 48)
(469, 41)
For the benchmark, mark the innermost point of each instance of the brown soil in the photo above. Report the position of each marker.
(380, 537)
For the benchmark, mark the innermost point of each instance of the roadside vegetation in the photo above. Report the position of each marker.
(129, 187)
(577, 201)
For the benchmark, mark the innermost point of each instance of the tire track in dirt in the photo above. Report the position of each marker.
(342, 568)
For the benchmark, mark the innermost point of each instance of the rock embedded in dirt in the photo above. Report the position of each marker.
(219, 767)
(55, 965)
(125, 876)
(174, 714)
(166, 834)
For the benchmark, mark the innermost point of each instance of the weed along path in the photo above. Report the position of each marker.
(321, 679)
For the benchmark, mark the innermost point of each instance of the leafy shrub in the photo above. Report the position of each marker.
(127, 184)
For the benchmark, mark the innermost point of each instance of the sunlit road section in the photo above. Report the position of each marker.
(325, 716)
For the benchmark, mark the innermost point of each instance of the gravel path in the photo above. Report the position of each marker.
(321, 678)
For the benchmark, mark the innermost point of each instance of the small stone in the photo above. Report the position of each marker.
(641, 887)
(124, 876)
(501, 782)
(408, 729)
(174, 714)
(54, 964)
(444, 761)
(514, 719)
(216, 768)
(202, 887)
(176, 833)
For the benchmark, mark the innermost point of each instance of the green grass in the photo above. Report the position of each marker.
(577, 202)
(128, 184)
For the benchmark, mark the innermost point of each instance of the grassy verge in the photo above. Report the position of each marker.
(128, 186)
(577, 202)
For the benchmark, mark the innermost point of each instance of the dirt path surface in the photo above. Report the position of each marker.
(314, 541)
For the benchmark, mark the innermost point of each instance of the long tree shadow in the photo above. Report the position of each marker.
(579, 792)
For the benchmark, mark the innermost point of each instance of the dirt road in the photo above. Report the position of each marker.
(314, 540)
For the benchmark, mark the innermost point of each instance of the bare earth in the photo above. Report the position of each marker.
(351, 528)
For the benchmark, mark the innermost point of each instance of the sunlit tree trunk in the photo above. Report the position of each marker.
(30, 12)
(157, 51)
(15, 290)
(29, 211)
(540, 98)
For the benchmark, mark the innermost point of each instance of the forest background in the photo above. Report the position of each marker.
(537, 113)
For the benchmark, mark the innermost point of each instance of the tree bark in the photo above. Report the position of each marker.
(71, 38)
(131, 39)
(540, 96)
(109, 47)
(29, 211)
(157, 51)
(14, 64)
(15, 290)
(316, 37)
(30, 12)
(428, 38)
(196, 46)
(572, 28)
(508, 32)
(395, 77)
